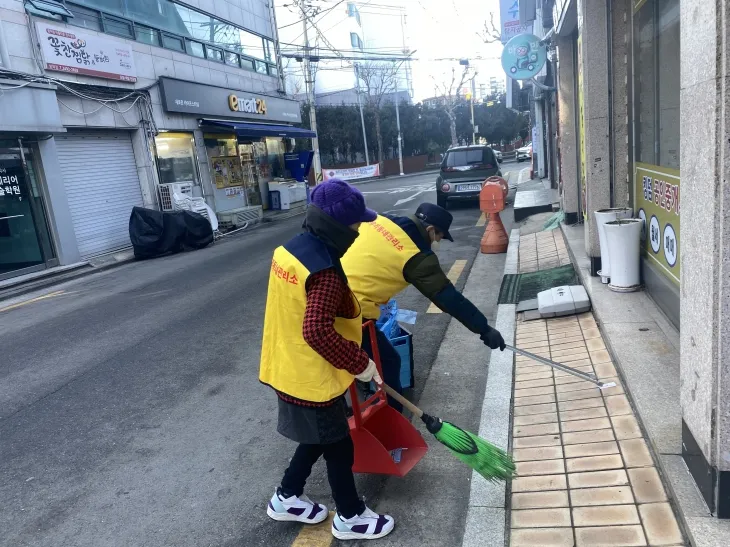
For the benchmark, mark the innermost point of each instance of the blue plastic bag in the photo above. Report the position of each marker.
(388, 321)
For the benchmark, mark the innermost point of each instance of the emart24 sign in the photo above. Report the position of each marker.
(658, 205)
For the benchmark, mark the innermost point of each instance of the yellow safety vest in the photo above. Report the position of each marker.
(288, 363)
(374, 263)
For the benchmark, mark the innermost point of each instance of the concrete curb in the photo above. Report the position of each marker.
(486, 519)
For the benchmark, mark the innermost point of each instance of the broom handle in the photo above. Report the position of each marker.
(402, 400)
(548, 362)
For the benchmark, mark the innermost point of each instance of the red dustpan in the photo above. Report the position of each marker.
(377, 429)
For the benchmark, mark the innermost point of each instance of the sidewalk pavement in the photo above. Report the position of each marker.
(588, 474)
(645, 348)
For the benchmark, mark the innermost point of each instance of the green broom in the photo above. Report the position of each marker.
(490, 462)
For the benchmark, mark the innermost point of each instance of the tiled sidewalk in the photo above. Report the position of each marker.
(586, 476)
(543, 250)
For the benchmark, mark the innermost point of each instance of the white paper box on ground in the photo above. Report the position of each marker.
(565, 300)
(602, 216)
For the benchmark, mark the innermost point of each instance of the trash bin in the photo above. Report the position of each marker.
(602, 217)
(275, 200)
(623, 238)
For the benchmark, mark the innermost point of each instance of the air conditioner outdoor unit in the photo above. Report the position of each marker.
(167, 190)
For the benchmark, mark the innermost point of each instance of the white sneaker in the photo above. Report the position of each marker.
(297, 509)
(367, 525)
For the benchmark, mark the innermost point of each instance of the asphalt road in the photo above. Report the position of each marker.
(131, 413)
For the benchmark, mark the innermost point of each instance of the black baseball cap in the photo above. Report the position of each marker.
(436, 216)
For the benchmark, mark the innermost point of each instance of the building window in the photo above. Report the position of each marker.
(214, 54)
(352, 11)
(147, 35)
(176, 158)
(173, 42)
(656, 83)
(232, 58)
(85, 18)
(196, 49)
(120, 27)
(182, 27)
(355, 40)
(47, 8)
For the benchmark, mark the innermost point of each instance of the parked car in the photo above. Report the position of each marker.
(498, 155)
(524, 153)
(463, 170)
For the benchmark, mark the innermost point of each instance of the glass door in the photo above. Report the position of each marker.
(25, 245)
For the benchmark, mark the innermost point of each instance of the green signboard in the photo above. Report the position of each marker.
(658, 205)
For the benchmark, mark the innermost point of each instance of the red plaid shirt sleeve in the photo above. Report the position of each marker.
(328, 297)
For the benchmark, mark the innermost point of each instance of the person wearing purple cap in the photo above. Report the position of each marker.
(310, 354)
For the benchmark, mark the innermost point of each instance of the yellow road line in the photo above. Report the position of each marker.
(453, 276)
(319, 535)
(26, 302)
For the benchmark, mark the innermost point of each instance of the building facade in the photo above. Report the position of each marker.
(338, 36)
(643, 94)
(110, 104)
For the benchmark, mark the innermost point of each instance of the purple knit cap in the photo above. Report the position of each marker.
(342, 201)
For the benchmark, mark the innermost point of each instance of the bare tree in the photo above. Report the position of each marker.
(450, 92)
(490, 33)
(294, 78)
(379, 79)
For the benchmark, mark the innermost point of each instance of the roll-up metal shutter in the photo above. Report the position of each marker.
(102, 186)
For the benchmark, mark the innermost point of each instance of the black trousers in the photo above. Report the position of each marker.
(339, 457)
(389, 361)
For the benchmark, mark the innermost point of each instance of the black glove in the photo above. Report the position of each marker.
(492, 338)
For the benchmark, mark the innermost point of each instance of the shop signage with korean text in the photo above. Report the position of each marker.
(523, 57)
(509, 15)
(10, 187)
(657, 198)
(353, 172)
(74, 52)
(212, 101)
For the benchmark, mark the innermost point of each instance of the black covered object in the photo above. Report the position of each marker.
(154, 233)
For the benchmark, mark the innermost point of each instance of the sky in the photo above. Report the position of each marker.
(436, 29)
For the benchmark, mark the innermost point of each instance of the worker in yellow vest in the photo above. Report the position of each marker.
(396, 251)
(311, 353)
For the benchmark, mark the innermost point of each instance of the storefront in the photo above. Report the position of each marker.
(656, 168)
(27, 116)
(102, 186)
(243, 146)
(25, 241)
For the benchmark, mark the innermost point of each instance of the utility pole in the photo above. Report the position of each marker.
(397, 119)
(473, 127)
(362, 118)
(309, 84)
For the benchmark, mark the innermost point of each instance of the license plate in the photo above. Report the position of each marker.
(468, 187)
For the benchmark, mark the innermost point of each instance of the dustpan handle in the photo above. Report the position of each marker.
(379, 393)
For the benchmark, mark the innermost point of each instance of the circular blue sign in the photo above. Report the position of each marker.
(523, 57)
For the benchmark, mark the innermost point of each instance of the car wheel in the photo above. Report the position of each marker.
(441, 201)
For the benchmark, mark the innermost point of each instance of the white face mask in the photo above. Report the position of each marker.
(435, 245)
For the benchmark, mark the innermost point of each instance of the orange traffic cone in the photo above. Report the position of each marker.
(491, 202)
(494, 240)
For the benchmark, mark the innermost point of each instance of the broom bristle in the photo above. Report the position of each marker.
(491, 462)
